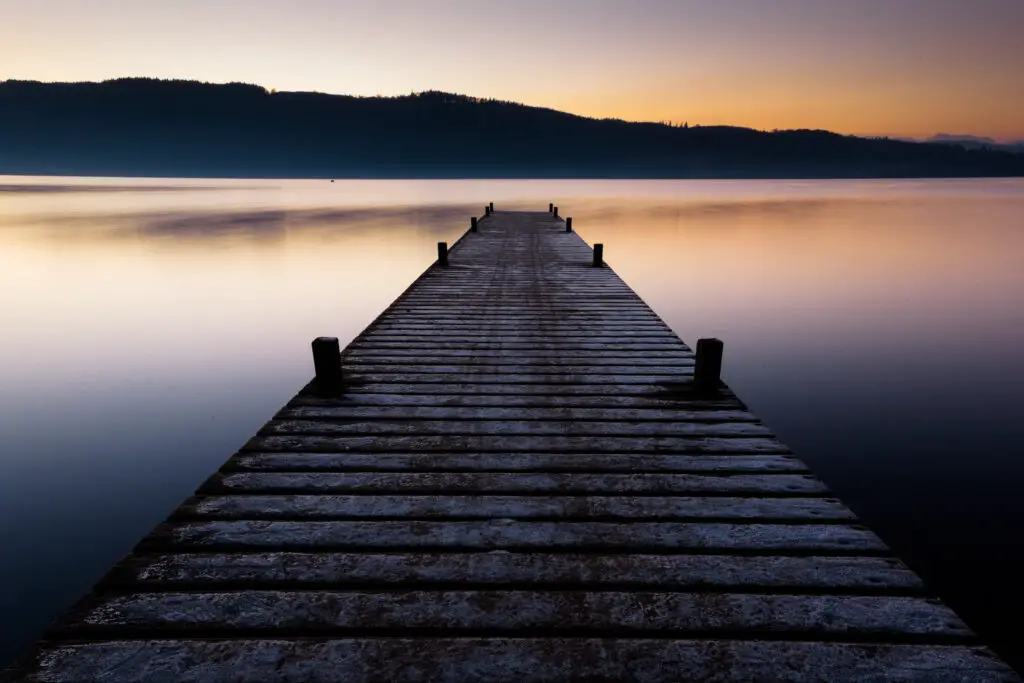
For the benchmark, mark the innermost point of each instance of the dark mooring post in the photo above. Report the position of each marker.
(707, 373)
(442, 254)
(598, 255)
(491, 207)
(551, 207)
(487, 211)
(568, 224)
(555, 212)
(472, 223)
(327, 363)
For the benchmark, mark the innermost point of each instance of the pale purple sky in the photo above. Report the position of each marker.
(896, 67)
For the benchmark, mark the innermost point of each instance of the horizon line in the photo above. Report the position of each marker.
(1002, 140)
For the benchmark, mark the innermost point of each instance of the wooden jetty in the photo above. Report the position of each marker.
(515, 474)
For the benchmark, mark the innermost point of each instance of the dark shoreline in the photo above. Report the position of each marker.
(167, 176)
(150, 128)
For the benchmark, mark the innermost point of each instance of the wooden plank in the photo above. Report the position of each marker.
(550, 315)
(512, 371)
(591, 378)
(637, 401)
(516, 443)
(555, 337)
(451, 505)
(517, 482)
(524, 323)
(563, 345)
(410, 309)
(512, 364)
(508, 660)
(516, 535)
(517, 611)
(523, 569)
(507, 311)
(327, 427)
(666, 388)
(566, 291)
(512, 462)
(540, 355)
(555, 323)
(454, 413)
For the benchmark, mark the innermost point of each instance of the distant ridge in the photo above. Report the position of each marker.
(146, 127)
(977, 142)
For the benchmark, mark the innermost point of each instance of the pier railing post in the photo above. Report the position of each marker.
(707, 371)
(568, 224)
(442, 254)
(491, 207)
(327, 364)
(598, 255)
(551, 207)
(555, 212)
(487, 210)
(472, 224)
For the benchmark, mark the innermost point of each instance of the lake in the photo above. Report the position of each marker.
(150, 326)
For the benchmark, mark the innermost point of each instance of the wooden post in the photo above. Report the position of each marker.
(551, 207)
(487, 211)
(472, 224)
(442, 254)
(707, 373)
(568, 224)
(327, 363)
(491, 207)
(598, 255)
(556, 212)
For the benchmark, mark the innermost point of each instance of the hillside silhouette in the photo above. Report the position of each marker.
(152, 127)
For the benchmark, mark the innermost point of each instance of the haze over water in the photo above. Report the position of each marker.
(151, 326)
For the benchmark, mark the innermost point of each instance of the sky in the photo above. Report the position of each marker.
(903, 68)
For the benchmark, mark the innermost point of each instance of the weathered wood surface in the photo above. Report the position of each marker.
(508, 660)
(518, 483)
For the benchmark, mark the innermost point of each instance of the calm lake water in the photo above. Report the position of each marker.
(149, 327)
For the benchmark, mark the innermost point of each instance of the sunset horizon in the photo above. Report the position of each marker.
(910, 69)
(921, 137)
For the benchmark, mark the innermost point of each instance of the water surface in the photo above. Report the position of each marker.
(151, 326)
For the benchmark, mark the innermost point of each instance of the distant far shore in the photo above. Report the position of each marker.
(340, 178)
(150, 128)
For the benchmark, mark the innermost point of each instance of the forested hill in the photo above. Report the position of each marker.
(182, 128)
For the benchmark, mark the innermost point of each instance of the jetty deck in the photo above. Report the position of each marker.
(517, 481)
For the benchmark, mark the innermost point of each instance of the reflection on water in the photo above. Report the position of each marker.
(150, 326)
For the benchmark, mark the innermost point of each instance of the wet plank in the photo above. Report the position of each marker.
(483, 376)
(475, 412)
(515, 535)
(506, 369)
(516, 443)
(549, 356)
(537, 343)
(358, 399)
(514, 364)
(591, 429)
(514, 611)
(512, 462)
(520, 569)
(665, 394)
(508, 660)
(501, 506)
(518, 482)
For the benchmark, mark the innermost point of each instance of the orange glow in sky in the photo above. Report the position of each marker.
(872, 67)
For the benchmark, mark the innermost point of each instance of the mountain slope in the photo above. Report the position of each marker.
(977, 142)
(186, 128)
